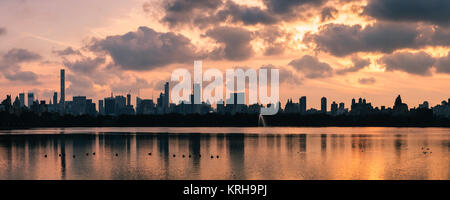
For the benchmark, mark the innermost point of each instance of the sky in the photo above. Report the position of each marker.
(340, 49)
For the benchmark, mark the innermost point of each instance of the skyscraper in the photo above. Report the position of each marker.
(302, 102)
(63, 87)
(197, 93)
(22, 99)
(128, 99)
(100, 106)
(323, 105)
(166, 95)
(334, 108)
(30, 99)
(55, 98)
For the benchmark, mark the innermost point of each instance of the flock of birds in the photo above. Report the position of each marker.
(424, 151)
(174, 155)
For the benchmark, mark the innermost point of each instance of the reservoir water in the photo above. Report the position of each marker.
(225, 153)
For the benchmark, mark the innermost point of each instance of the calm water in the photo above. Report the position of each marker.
(244, 153)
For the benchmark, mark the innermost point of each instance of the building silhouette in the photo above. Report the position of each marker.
(234, 104)
(323, 105)
(302, 102)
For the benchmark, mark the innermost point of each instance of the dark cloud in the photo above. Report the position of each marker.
(235, 43)
(342, 40)
(328, 13)
(16, 56)
(10, 65)
(246, 14)
(443, 64)
(418, 63)
(66, 52)
(85, 65)
(146, 49)
(439, 36)
(433, 11)
(311, 67)
(288, 6)
(274, 40)
(358, 64)
(367, 81)
(203, 13)
(2, 31)
(184, 11)
(22, 76)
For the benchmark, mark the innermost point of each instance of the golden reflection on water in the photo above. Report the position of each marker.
(243, 153)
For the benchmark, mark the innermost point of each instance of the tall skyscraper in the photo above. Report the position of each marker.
(22, 99)
(334, 108)
(128, 99)
(55, 98)
(197, 94)
(302, 102)
(166, 95)
(63, 87)
(100, 106)
(30, 99)
(323, 105)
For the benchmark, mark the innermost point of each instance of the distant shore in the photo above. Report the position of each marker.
(44, 120)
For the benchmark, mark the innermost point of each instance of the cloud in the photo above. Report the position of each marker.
(234, 43)
(204, 13)
(2, 31)
(343, 40)
(86, 65)
(22, 76)
(146, 49)
(367, 81)
(246, 14)
(16, 56)
(10, 65)
(433, 11)
(285, 74)
(311, 67)
(289, 6)
(80, 86)
(328, 13)
(358, 64)
(274, 40)
(67, 51)
(179, 12)
(443, 64)
(418, 63)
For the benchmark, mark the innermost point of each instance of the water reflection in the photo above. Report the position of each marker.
(280, 153)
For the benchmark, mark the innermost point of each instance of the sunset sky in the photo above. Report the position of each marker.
(341, 49)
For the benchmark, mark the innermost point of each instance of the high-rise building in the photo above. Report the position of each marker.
(30, 99)
(100, 106)
(334, 108)
(110, 105)
(79, 105)
(323, 105)
(128, 99)
(302, 102)
(63, 87)
(197, 93)
(22, 99)
(166, 95)
(55, 98)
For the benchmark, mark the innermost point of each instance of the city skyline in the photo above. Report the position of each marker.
(236, 103)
